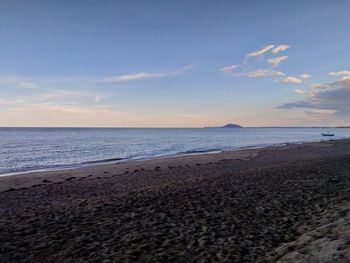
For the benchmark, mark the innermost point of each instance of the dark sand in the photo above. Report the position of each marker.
(277, 204)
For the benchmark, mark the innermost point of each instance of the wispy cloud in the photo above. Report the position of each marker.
(146, 75)
(261, 51)
(57, 93)
(305, 76)
(300, 91)
(62, 114)
(47, 83)
(63, 83)
(27, 85)
(344, 73)
(7, 102)
(275, 61)
(52, 96)
(280, 48)
(293, 80)
(320, 112)
(229, 68)
(296, 80)
(135, 76)
(316, 86)
(265, 73)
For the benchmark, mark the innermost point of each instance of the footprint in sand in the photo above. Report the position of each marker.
(46, 181)
(69, 178)
(10, 190)
(36, 185)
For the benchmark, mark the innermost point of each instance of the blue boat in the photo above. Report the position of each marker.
(328, 134)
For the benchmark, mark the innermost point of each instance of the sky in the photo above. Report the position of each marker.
(174, 63)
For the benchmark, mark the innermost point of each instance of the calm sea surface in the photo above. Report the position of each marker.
(26, 149)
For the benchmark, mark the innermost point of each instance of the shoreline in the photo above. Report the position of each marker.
(35, 178)
(273, 204)
(175, 155)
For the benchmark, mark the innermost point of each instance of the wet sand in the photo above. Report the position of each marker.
(276, 204)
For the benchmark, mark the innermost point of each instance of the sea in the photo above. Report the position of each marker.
(36, 149)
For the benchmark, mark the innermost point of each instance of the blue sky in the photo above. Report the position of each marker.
(174, 63)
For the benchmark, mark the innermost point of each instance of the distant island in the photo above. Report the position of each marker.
(230, 125)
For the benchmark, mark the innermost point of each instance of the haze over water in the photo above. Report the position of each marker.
(26, 149)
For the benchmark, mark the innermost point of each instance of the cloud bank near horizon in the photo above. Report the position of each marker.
(330, 99)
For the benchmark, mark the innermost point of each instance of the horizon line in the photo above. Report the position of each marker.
(160, 127)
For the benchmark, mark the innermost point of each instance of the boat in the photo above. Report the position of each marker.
(328, 134)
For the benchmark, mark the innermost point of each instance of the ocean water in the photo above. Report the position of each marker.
(27, 149)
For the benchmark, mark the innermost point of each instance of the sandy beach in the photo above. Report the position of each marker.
(275, 204)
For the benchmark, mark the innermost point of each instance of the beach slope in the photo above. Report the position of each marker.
(276, 204)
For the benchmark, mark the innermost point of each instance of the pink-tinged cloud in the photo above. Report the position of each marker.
(261, 51)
